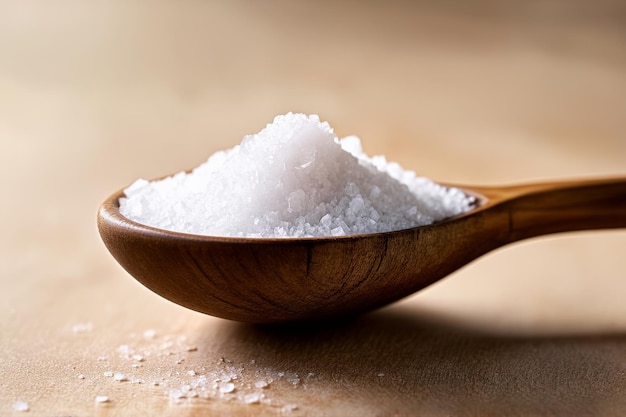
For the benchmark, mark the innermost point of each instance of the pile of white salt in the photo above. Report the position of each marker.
(295, 178)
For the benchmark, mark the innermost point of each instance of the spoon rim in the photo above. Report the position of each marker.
(109, 213)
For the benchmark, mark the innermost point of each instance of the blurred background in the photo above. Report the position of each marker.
(96, 94)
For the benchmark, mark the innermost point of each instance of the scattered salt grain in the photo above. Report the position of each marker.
(80, 376)
(227, 387)
(149, 334)
(102, 399)
(253, 398)
(261, 383)
(227, 380)
(176, 394)
(295, 178)
(21, 406)
(288, 408)
(120, 377)
(293, 379)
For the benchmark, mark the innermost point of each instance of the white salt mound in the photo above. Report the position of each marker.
(295, 178)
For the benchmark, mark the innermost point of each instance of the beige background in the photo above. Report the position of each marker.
(95, 94)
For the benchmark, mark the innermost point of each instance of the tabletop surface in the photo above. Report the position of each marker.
(96, 94)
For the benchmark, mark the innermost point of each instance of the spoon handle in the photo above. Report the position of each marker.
(544, 208)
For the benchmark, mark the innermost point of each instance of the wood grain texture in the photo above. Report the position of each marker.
(96, 94)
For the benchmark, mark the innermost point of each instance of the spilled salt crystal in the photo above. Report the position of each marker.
(295, 178)
(120, 377)
(227, 387)
(107, 373)
(102, 399)
(293, 379)
(176, 394)
(253, 398)
(21, 406)
(287, 408)
(261, 383)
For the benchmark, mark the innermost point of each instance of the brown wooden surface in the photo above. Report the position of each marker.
(96, 94)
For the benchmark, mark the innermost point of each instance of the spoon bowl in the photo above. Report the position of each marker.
(287, 279)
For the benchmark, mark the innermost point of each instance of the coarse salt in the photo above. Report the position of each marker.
(261, 384)
(227, 387)
(253, 398)
(295, 178)
(118, 376)
(102, 399)
(21, 406)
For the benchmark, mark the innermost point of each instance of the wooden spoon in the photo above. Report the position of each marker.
(284, 279)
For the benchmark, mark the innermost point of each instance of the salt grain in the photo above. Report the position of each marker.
(227, 380)
(295, 178)
(102, 399)
(21, 406)
(288, 408)
(227, 387)
(120, 377)
(253, 398)
(261, 383)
